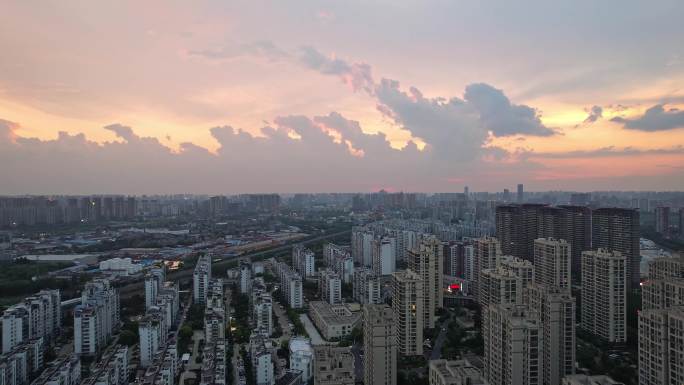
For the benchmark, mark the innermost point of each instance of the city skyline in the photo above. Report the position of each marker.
(354, 96)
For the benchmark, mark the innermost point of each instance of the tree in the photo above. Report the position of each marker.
(128, 338)
(185, 332)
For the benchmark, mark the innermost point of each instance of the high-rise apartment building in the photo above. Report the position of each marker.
(37, 316)
(577, 233)
(486, 255)
(661, 293)
(427, 262)
(617, 229)
(583, 379)
(604, 295)
(552, 262)
(214, 324)
(303, 261)
(152, 334)
(245, 278)
(380, 345)
(407, 306)
(571, 223)
(521, 193)
(555, 308)
(661, 323)
(661, 346)
(65, 370)
(666, 267)
(263, 313)
(339, 260)
(366, 286)
(96, 318)
(518, 226)
(662, 220)
(508, 219)
(154, 279)
(330, 286)
(200, 279)
(454, 259)
(384, 257)
(513, 347)
(112, 368)
(520, 267)
(291, 286)
(499, 286)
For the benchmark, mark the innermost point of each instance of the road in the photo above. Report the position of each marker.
(311, 330)
(135, 287)
(283, 321)
(358, 361)
(436, 352)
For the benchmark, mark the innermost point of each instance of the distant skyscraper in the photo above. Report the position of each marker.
(604, 295)
(517, 226)
(577, 232)
(662, 220)
(506, 195)
(580, 199)
(521, 193)
(681, 222)
(380, 345)
(617, 229)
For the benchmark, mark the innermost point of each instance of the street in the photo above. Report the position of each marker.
(436, 352)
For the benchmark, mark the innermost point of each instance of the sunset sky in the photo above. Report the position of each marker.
(319, 96)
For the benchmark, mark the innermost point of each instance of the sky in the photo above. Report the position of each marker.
(221, 97)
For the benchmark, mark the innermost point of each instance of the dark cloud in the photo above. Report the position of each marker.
(450, 127)
(500, 116)
(356, 75)
(314, 160)
(655, 118)
(595, 113)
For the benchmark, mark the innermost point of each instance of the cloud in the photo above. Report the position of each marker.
(450, 127)
(655, 118)
(500, 116)
(606, 152)
(595, 113)
(357, 75)
(293, 154)
(263, 48)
